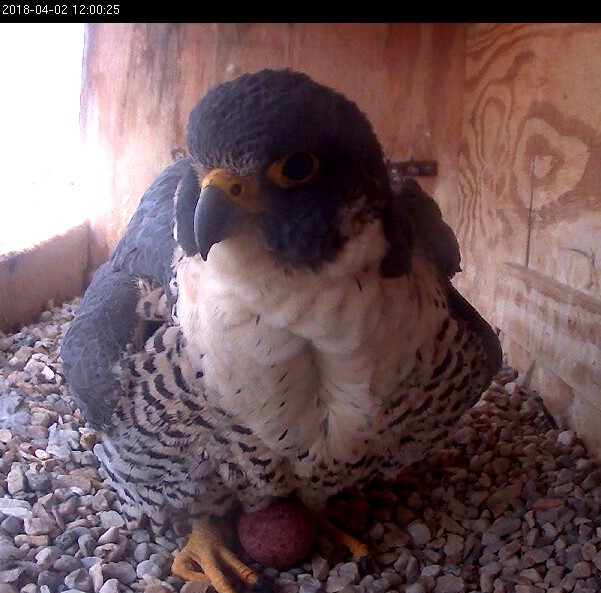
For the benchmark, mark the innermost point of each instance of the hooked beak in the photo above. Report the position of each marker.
(225, 202)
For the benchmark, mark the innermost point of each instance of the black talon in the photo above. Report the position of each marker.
(366, 566)
(264, 585)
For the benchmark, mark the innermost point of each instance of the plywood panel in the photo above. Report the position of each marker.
(55, 270)
(557, 327)
(529, 218)
(530, 156)
(563, 143)
(139, 83)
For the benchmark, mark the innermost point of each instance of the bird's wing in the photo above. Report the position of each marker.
(106, 321)
(146, 248)
(417, 215)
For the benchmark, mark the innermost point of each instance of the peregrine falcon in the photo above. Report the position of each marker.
(278, 321)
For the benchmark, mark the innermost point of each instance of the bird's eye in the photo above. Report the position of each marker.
(293, 169)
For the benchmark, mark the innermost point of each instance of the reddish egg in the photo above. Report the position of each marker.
(280, 535)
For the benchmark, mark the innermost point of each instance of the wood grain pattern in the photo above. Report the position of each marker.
(531, 154)
(529, 218)
(557, 330)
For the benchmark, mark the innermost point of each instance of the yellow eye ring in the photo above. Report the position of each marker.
(293, 169)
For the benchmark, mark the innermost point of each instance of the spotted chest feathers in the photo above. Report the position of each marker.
(304, 359)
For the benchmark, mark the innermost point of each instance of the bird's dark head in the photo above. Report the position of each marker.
(277, 150)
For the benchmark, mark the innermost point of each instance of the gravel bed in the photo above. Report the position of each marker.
(510, 505)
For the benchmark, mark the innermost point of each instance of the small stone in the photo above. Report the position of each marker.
(419, 532)
(148, 568)
(38, 482)
(396, 537)
(486, 582)
(11, 575)
(110, 586)
(40, 525)
(70, 536)
(198, 587)
(501, 527)
(454, 548)
(377, 531)
(50, 579)
(449, 583)
(110, 552)
(110, 536)
(46, 557)
(47, 373)
(15, 480)
(86, 543)
(319, 568)
(20, 358)
(15, 508)
(96, 576)
(431, 570)
(581, 570)
(567, 438)
(79, 579)
(139, 535)
(309, 584)
(465, 435)
(74, 481)
(111, 519)
(142, 551)
(9, 551)
(123, 571)
(66, 563)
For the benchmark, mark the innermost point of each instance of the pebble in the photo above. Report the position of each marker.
(510, 504)
(419, 532)
(110, 586)
(110, 519)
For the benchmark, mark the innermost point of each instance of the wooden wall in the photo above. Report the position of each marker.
(529, 218)
(510, 112)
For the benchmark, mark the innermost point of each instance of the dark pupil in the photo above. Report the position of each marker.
(298, 166)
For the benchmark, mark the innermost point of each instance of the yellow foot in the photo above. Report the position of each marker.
(206, 550)
(359, 551)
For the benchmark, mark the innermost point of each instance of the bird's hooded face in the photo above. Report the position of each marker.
(295, 159)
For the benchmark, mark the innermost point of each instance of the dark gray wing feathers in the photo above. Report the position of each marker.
(146, 248)
(106, 322)
(416, 208)
(97, 337)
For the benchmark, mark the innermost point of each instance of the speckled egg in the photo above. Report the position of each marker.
(280, 535)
